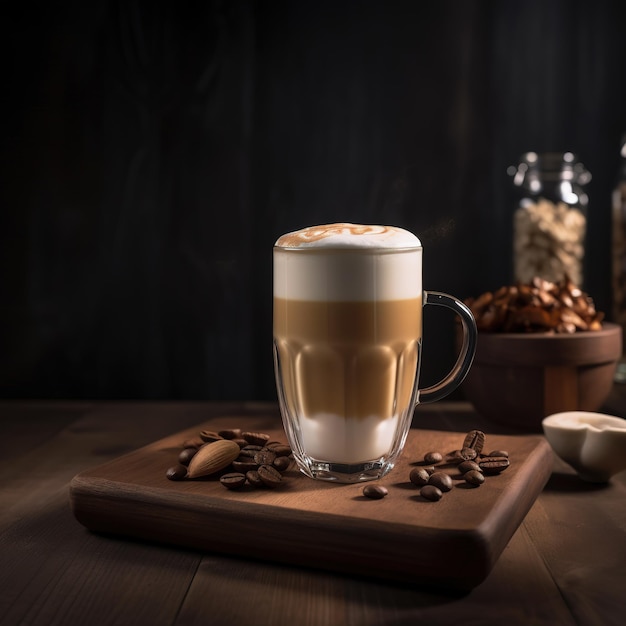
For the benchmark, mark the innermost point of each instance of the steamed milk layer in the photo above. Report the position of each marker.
(347, 325)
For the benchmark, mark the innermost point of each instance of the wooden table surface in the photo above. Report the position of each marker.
(566, 563)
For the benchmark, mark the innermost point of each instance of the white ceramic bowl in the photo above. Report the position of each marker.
(594, 444)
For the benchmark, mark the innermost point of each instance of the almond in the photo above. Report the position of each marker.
(212, 457)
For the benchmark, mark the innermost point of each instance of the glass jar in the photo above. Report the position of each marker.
(619, 258)
(550, 221)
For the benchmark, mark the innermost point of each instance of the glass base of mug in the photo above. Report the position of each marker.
(342, 472)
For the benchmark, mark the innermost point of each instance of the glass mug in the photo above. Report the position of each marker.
(348, 305)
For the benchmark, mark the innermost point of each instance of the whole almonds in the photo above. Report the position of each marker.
(212, 458)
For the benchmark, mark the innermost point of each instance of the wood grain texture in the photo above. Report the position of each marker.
(560, 389)
(562, 566)
(321, 525)
(580, 529)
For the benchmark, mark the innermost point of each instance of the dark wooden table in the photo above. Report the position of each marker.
(566, 564)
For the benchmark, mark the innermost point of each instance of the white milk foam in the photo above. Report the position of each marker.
(319, 263)
(344, 235)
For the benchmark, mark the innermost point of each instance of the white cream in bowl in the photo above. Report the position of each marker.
(594, 444)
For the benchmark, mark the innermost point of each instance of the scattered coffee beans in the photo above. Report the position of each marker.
(433, 457)
(269, 476)
(250, 451)
(260, 462)
(230, 433)
(234, 480)
(186, 455)
(430, 492)
(209, 435)
(471, 463)
(474, 477)
(464, 454)
(264, 457)
(279, 449)
(468, 454)
(253, 478)
(441, 480)
(177, 472)
(475, 439)
(375, 492)
(493, 464)
(258, 439)
(281, 463)
(244, 464)
(499, 453)
(419, 476)
(467, 466)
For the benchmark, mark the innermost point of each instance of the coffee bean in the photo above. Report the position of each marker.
(499, 453)
(468, 454)
(430, 492)
(280, 449)
(474, 477)
(177, 472)
(419, 476)
(433, 457)
(244, 464)
(230, 433)
(259, 439)
(430, 469)
(455, 457)
(458, 456)
(252, 477)
(264, 457)
(186, 455)
(194, 442)
(475, 439)
(234, 480)
(493, 464)
(250, 451)
(240, 441)
(209, 435)
(441, 480)
(375, 492)
(467, 466)
(269, 475)
(282, 463)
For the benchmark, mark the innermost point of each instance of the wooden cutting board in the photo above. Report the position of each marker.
(452, 543)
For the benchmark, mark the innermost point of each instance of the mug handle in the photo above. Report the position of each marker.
(458, 373)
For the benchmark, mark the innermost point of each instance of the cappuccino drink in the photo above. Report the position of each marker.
(348, 306)
(347, 329)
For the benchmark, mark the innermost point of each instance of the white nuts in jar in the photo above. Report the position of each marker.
(549, 241)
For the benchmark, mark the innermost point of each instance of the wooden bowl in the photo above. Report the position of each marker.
(518, 379)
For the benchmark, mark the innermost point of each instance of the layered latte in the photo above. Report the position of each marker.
(347, 336)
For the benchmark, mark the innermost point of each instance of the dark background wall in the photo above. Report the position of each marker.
(153, 151)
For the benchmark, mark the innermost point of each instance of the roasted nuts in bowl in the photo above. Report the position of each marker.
(542, 348)
(540, 306)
